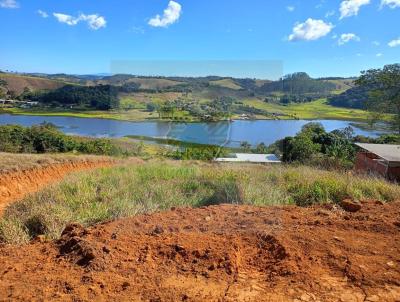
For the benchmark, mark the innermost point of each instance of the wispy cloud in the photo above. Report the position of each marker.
(9, 4)
(137, 30)
(394, 43)
(376, 43)
(43, 14)
(94, 21)
(379, 54)
(345, 38)
(290, 8)
(171, 14)
(350, 8)
(391, 3)
(330, 14)
(310, 30)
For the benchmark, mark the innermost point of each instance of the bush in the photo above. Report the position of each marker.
(46, 138)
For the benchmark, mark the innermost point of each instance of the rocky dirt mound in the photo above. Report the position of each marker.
(218, 253)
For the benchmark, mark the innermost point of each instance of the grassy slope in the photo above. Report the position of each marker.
(10, 162)
(110, 193)
(314, 110)
(226, 83)
(17, 83)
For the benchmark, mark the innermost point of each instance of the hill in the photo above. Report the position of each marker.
(17, 83)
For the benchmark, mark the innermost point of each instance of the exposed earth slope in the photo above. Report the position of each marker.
(21, 174)
(218, 253)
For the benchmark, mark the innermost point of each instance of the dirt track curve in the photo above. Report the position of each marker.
(219, 253)
(15, 185)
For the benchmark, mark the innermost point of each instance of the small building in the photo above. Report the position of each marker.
(377, 159)
(251, 158)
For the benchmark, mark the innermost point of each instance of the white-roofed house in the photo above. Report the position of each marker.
(251, 158)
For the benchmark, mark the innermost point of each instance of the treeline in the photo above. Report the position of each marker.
(355, 98)
(314, 146)
(46, 138)
(295, 98)
(102, 97)
(297, 83)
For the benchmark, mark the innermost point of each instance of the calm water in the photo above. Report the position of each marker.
(207, 133)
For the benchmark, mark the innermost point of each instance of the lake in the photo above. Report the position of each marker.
(229, 133)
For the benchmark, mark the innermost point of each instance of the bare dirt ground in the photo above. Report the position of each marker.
(218, 253)
(23, 174)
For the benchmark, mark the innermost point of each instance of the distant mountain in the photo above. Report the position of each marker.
(208, 87)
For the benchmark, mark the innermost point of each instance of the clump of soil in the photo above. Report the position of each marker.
(217, 253)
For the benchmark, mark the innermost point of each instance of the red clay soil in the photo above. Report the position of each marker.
(219, 253)
(15, 185)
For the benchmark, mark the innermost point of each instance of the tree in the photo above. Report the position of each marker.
(384, 90)
(151, 107)
(245, 146)
(261, 148)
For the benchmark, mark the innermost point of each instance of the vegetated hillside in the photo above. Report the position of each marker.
(342, 84)
(355, 97)
(298, 83)
(152, 83)
(17, 83)
(226, 83)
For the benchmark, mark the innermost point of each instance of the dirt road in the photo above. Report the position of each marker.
(219, 253)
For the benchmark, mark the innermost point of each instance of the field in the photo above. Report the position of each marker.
(314, 110)
(17, 83)
(112, 193)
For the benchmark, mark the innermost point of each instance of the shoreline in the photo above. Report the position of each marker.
(108, 116)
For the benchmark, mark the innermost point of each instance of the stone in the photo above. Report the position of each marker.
(350, 206)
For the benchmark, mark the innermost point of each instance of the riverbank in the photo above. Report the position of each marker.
(315, 110)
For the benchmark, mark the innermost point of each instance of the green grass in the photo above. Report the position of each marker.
(318, 109)
(110, 193)
(226, 83)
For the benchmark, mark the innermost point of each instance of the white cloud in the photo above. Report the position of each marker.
(310, 30)
(170, 16)
(379, 55)
(350, 8)
(394, 43)
(290, 8)
(43, 14)
(391, 3)
(94, 21)
(345, 38)
(9, 4)
(376, 43)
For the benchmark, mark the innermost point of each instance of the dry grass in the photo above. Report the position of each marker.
(110, 193)
(11, 162)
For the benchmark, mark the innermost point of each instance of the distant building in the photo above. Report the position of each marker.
(251, 158)
(376, 159)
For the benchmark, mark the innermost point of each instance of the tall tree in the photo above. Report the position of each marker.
(384, 87)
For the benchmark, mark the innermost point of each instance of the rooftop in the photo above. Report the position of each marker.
(389, 153)
(252, 158)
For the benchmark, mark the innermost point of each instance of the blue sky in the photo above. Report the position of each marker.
(321, 37)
